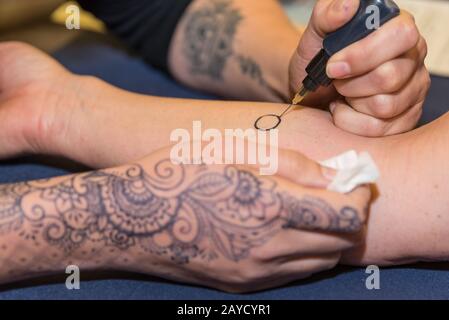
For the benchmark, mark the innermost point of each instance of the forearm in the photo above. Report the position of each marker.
(236, 49)
(136, 122)
(184, 222)
(105, 220)
(48, 225)
(110, 126)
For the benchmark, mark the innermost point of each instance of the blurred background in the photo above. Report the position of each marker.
(42, 23)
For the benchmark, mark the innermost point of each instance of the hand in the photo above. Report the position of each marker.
(381, 81)
(33, 90)
(260, 232)
(219, 226)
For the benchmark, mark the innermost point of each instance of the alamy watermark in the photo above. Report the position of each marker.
(72, 282)
(231, 146)
(73, 20)
(373, 20)
(372, 282)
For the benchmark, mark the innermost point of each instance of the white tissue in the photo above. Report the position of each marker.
(353, 170)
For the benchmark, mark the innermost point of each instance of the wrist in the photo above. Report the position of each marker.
(47, 130)
(65, 130)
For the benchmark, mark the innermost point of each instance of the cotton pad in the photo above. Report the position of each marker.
(353, 170)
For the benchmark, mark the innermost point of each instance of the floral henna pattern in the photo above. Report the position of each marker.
(223, 214)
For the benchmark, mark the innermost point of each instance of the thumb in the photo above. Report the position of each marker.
(301, 170)
(327, 16)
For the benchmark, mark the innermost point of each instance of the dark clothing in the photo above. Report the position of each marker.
(147, 26)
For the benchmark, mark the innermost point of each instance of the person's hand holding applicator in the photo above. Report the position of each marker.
(380, 82)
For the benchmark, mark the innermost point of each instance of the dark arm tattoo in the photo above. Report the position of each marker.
(224, 213)
(250, 68)
(209, 42)
(209, 35)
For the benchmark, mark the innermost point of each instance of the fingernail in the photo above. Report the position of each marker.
(332, 107)
(337, 70)
(328, 173)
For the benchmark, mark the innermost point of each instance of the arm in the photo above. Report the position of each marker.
(408, 218)
(219, 226)
(246, 50)
(47, 110)
(236, 49)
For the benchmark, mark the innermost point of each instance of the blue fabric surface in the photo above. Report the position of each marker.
(115, 66)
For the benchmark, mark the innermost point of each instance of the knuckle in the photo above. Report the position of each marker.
(424, 48)
(340, 118)
(387, 78)
(409, 32)
(262, 254)
(319, 10)
(374, 127)
(315, 18)
(382, 106)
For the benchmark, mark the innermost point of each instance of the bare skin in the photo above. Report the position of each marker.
(379, 90)
(405, 223)
(219, 226)
(250, 50)
(45, 109)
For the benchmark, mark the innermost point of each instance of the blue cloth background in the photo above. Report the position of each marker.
(114, 65)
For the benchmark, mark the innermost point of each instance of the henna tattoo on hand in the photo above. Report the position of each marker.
(214, 213)
(209, 42)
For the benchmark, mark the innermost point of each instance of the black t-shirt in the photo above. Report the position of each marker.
(147, 26)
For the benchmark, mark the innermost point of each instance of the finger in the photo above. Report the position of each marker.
(304, 267)
(329, 15)
(303, 171)
(362, 124)
(297, 269)
(298, 243)
(392, 40)
(298, 169)
(387, 78)
(387, 106)
(322, 210)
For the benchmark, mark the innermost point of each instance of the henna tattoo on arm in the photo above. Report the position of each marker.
(223, 213)
(209, 42)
